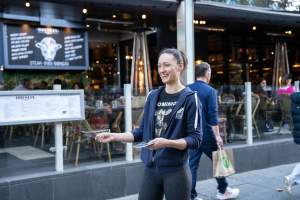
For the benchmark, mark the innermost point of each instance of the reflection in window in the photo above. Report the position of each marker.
(288, 5)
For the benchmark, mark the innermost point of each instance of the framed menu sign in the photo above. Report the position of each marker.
(41, 106)
(28, 47)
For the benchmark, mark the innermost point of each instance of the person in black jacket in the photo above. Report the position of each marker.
(2, 128)
(294, 178)
(171, 124)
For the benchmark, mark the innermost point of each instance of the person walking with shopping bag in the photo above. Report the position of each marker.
(212, 140)
(171, 124)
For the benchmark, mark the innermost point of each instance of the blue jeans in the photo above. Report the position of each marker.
(195, 155)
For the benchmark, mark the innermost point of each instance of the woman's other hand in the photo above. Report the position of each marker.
(158, 143)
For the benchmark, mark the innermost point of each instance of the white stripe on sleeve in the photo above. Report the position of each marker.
(196, 117)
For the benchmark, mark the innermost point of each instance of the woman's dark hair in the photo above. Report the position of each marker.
(177, 54)
(287, 77)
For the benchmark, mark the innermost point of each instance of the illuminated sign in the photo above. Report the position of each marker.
(48, 48)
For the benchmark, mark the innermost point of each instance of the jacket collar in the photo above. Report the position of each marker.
(200, 81)
(186, 92)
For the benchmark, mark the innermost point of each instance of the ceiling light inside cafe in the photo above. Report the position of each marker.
(198, 62)
(296, 66)
(114, 16)
(27, 4)
(144, 16)
(266, 68)
(84, 11)
(288, 32)
(202, 22)
(254, 28)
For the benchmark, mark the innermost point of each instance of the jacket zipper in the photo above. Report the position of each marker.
(171, 119)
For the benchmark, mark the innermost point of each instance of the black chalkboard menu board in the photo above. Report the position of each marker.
(28, 47)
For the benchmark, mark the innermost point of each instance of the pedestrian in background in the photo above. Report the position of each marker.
(2, 128)
(211, 136)
(287, 87)
(171, 124)
(294, 178)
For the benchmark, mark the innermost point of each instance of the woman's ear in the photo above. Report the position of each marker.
(180, 67)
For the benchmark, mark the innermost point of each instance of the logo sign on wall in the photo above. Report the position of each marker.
(28, 47)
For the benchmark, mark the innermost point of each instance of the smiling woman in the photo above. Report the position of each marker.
(174, 115)
(171, 63)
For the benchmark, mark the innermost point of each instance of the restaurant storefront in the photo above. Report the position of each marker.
(43, 45)
(83, 50)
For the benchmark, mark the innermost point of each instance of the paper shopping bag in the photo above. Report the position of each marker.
(223, 163)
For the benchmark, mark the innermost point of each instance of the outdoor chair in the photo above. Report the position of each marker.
(137, 118)
(226, 97)
(84, 133)
(222, 128)
(240, 112)
(13, 129)
(138, 103)
(285, 105)
(41, 130)
(226, 106)
(116, 124)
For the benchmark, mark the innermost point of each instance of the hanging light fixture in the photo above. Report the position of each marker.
(27, 4)
(84, 11)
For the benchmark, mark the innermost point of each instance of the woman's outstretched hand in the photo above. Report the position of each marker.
(105, 137)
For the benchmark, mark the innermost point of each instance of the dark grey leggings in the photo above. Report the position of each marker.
(175, 185)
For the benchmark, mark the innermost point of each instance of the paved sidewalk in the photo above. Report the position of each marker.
(254, 185)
